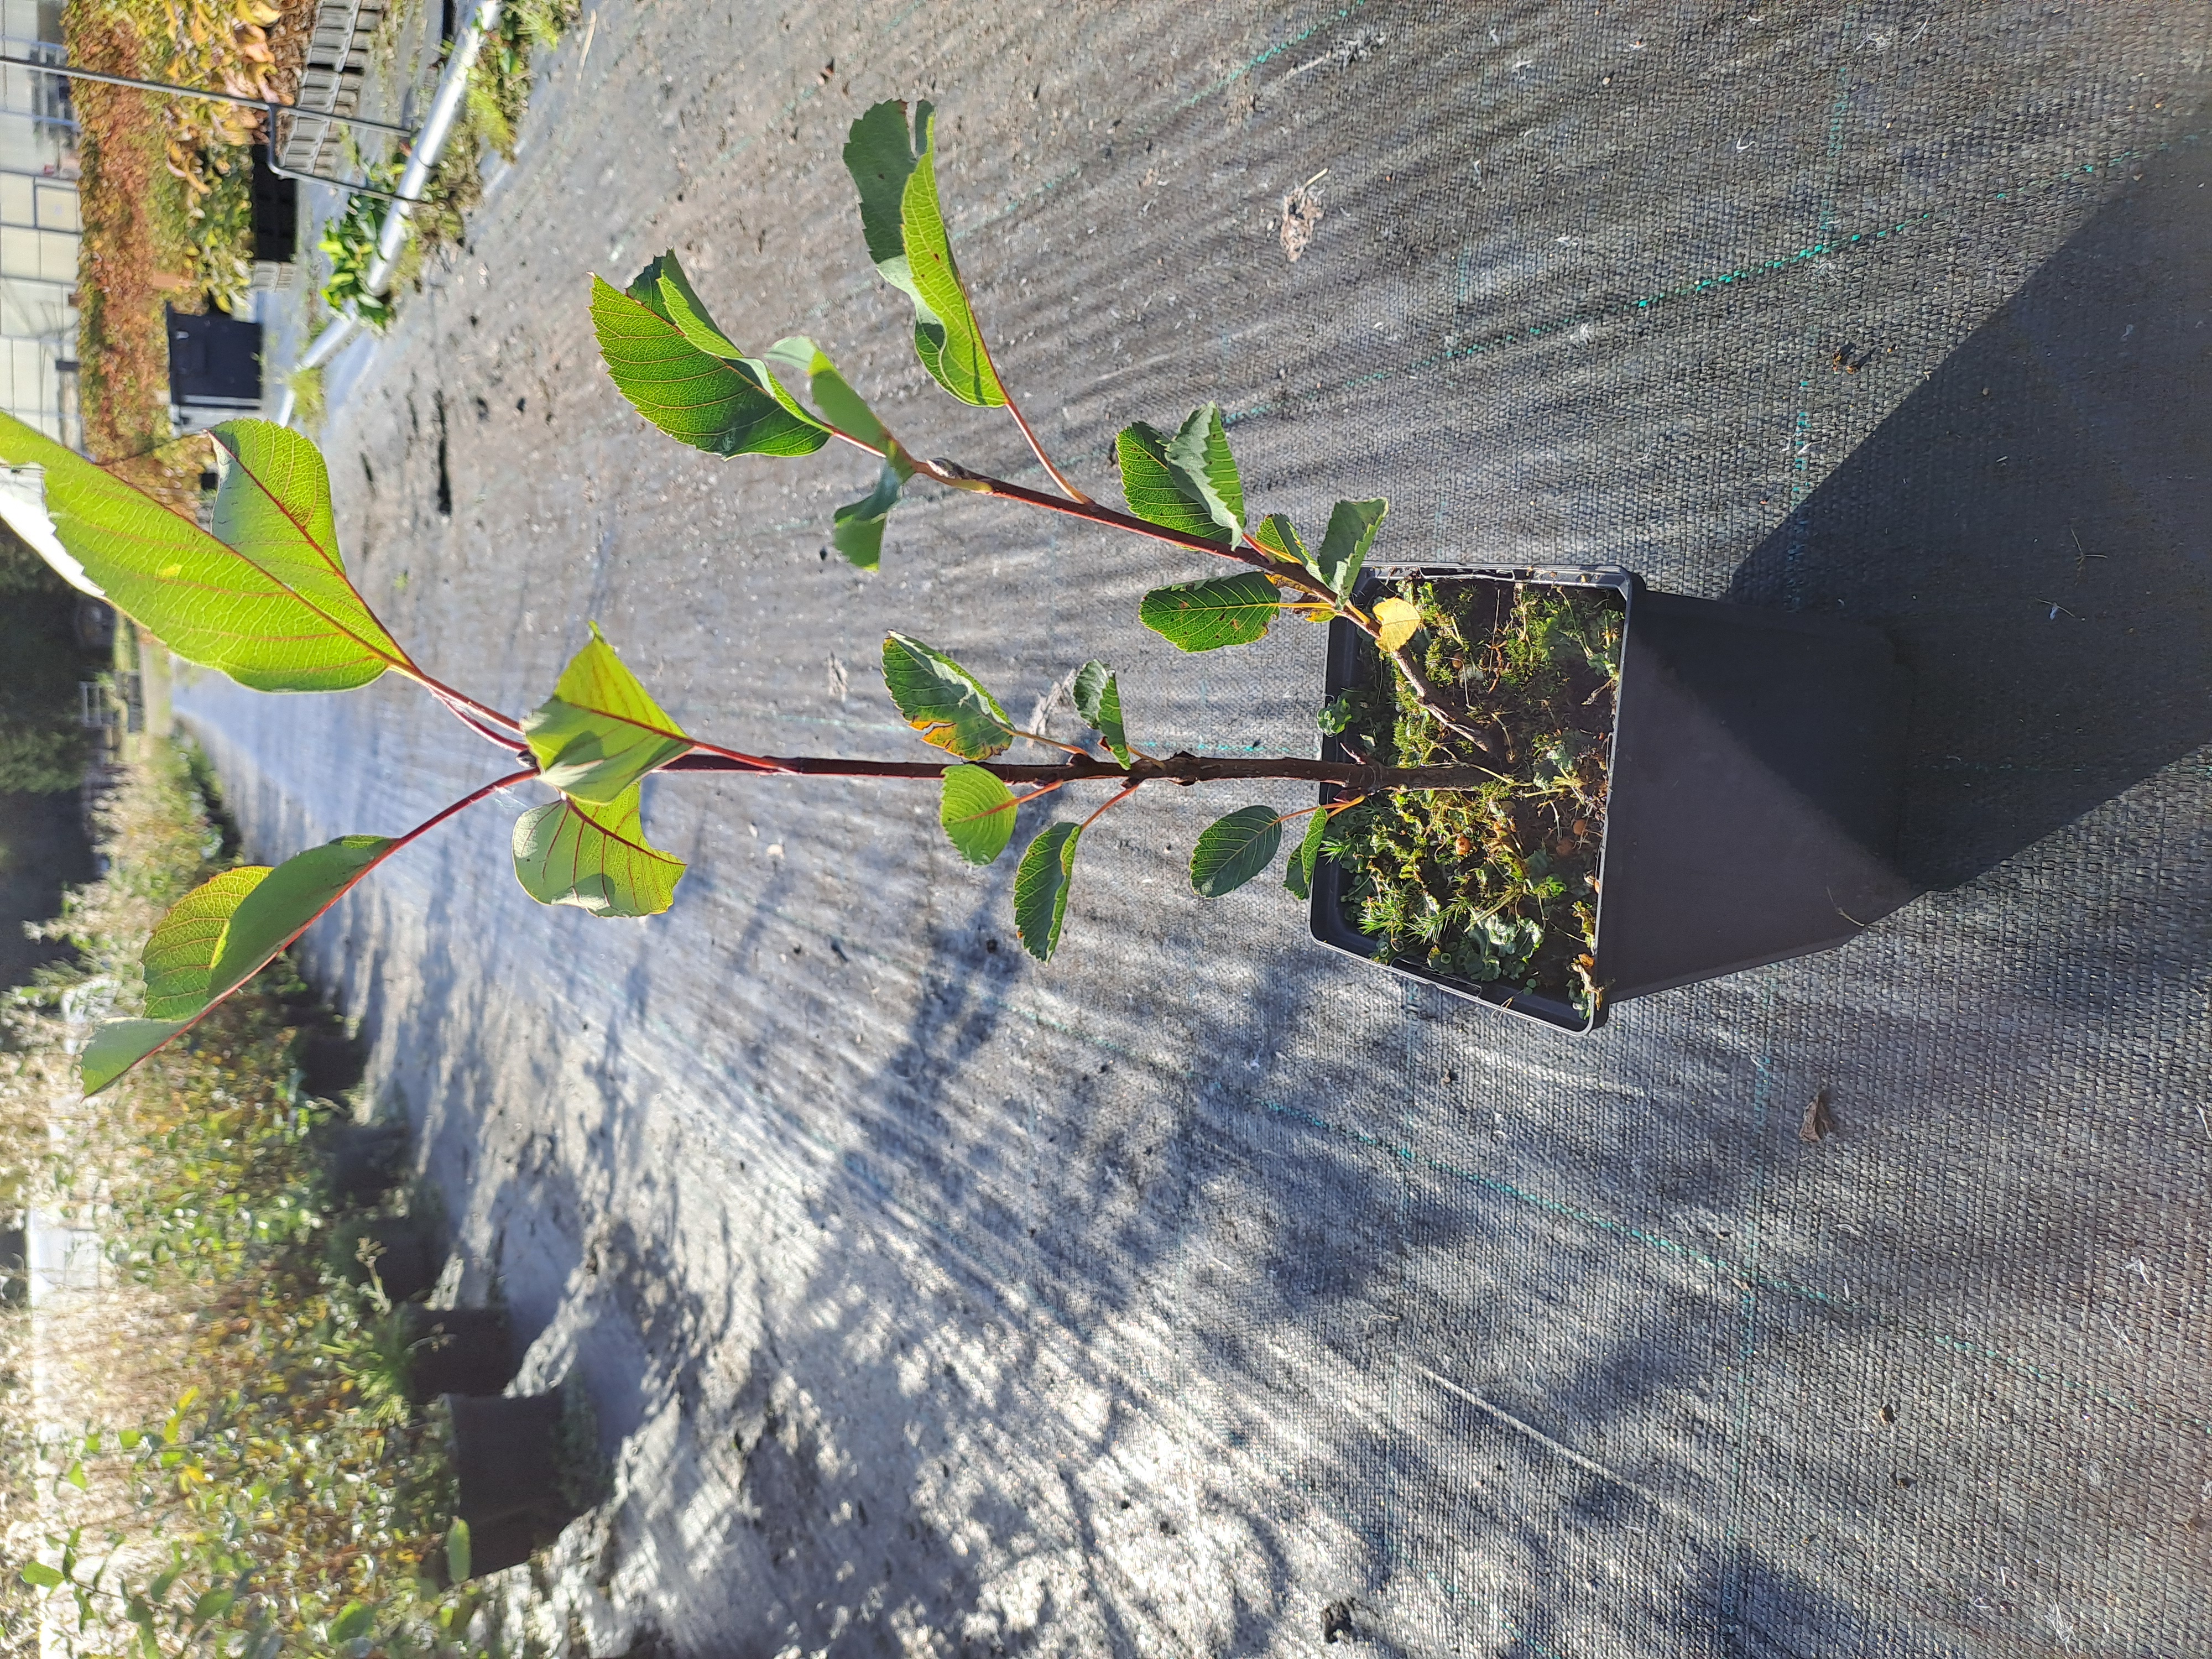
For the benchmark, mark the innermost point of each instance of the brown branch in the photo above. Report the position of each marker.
(1183, 768)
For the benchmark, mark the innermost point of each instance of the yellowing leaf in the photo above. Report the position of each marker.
(1399, 620)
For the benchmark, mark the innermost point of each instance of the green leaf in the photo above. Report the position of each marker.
(1041, 887)
(262, 919)
(1199, 456)
(457, 1552)
(183, 948)
(274, 611)
(596, 857)
(895, 172)
(354, 1620)
(1098, 700)
(857, 528)
(212, 1604)
(40, 1574)
(1278, 535)
(1232, 850)
(838, 404)
(74, 1476)
(726, 404)
(158, 1591)
(1156, 487)
(977, 812)
(1298, 877)
(1206, 615)
(942, 701)
(1351, 529)
(600, 731)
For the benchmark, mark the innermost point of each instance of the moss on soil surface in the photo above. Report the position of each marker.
(1497, 885)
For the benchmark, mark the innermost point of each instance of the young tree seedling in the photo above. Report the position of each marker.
(264, 597)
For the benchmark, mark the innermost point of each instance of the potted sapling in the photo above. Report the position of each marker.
(264, 597)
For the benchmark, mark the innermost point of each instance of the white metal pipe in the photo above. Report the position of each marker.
(429, 143)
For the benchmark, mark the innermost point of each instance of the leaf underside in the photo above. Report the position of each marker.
(259, 912)
(726, 405)
(895, 170)
(1098, 701)
(594, 857)
(856, 529)
(942, 701)
(272, 609)
(1352, 527)
(977, 813)
(1156, 490)
(600, 731)
(1208, 615)
(1199, 455)
(1298, 877)
(1041, 885)
(1231, 850)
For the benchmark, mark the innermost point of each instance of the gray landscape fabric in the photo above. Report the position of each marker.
(1205, 1292)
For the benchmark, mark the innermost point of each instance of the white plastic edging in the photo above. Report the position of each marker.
(429, 144)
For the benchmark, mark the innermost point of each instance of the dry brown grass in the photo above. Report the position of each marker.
(133, 232)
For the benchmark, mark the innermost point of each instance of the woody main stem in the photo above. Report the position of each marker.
(1181, 769)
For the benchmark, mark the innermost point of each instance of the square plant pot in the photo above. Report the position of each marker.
(1754, 787)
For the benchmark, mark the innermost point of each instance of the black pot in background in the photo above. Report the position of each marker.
(1752, 801)
(462, 1351)
(506, 1462)
(330, 1061)
(364, 1161)
(408, 1266)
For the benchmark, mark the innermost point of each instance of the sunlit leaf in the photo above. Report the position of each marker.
(457, 1552)
(182, 949)
(1098, 700)
(275, 612)
(600, 731)
(895, 170)
(262, 919)
(1399, 620)
(212, 1604)
(1206, 615)
(834, 401)
(40, 1574)
(1298, 877)
(977, 812)
(1199, 455)
(726, 405)
(1155, 488)
(1232, 850)
(1041, 887)
(942, 701)
(596, 857)
(1343, 551)
(1278, 535)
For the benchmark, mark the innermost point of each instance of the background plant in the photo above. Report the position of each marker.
(237, 1473)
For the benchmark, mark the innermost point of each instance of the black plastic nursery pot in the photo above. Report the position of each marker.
(456, 1351)
(507, 1463)
(1755, 782)
(407, 1256)
(362, 1161)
